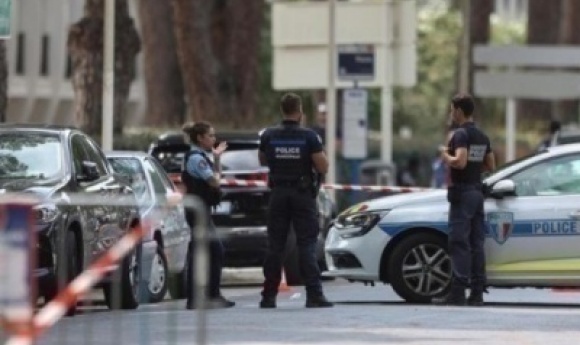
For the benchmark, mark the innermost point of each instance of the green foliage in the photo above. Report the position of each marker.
(424, 107)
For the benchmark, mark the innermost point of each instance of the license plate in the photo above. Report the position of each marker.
(225, 207)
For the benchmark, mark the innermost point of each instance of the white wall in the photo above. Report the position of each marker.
(36, 97)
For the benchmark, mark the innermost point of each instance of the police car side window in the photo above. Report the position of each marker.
(559, 176)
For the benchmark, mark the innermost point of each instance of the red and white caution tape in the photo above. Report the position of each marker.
(58, 307)
(390, 189)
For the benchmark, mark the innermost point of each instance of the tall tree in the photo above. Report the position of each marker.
(218, 45)
(3, 81)
(85, 45)
(543, 28)
(163, 81)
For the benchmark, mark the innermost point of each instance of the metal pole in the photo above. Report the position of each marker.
(331, 97)
(510, 130)
(109, 76)
(387, 92)
(465, 57)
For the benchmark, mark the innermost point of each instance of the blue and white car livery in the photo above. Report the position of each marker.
(532, 225)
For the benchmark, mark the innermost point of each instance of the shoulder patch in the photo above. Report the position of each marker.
(202, 164)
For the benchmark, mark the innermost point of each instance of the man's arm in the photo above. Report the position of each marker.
(320, 162)
(489, 162)
(459, 161)
(262, 158)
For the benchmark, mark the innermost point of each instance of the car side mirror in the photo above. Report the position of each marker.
(503, 188)
(89, 172)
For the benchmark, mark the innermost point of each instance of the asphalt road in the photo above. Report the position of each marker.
(363, 315)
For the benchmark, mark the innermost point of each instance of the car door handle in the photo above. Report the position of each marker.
(575, 214)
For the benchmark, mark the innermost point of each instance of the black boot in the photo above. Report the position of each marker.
(318, 301)
(455, 297)
(475, 298)
(268, 302)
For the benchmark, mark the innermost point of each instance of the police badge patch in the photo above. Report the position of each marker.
(501, 225)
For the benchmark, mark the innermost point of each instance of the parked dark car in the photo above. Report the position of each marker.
(241, 216)
(164, 258)
(84, 208)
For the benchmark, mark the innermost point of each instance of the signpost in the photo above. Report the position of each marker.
(526, 72)
(356, 62)
(5, 18)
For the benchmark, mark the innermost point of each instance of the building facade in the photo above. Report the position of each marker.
(39, 85)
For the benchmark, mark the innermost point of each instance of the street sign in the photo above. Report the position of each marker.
(5, 16)
(355, 127)
(356, 62)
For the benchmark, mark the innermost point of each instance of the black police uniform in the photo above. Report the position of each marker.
(466, 215)
(211, 197)
(288, 149)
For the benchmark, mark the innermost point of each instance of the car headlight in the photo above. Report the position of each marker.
(45, 213)
(362, 220)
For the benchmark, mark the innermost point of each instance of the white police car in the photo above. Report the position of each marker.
(532, 224)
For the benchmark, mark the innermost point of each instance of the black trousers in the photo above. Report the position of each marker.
(296, 208)
(467, 236)
(216, 259)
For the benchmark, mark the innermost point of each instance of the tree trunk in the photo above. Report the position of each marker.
(3, 81)
(479, 33)
(197, 58)
(163, 81)
(245, 19)
(85, 44)
(568, 110)
(543, 28)
(218, 47)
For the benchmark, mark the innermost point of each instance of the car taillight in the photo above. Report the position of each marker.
(254, 177)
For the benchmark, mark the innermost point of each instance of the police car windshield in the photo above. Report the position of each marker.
(509, 164)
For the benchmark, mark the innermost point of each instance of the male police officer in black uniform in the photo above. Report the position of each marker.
(291, 153)
(468, 155)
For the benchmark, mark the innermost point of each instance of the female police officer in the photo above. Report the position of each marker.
(291, 153)
(201, 178)
(468, 155)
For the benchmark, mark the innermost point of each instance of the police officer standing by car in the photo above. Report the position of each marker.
(295, 157)
(468, 155)
(201, 177)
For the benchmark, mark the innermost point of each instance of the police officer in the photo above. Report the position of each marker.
(468, 155)
(201, 178)
(292, 152)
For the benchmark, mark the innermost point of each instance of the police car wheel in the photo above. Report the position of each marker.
(420, 268)
(157, 284)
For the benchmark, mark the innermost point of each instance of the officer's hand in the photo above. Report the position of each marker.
(442, 149)
(220, 149)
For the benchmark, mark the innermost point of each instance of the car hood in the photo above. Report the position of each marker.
(416, 198)
(40, 188)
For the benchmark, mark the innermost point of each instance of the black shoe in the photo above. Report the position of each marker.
(220, 302)
(318, 301)
(268, 302)
(212, 303)
(455, 297)
(475, 298)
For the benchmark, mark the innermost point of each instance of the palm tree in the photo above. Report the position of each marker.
(85, 45)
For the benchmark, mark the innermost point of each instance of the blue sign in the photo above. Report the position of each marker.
(356, 62)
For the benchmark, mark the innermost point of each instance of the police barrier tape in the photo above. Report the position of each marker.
(365, 188)
(24, 331)
(58, 307)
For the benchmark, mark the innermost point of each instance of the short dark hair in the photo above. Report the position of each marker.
(464, 102)
(290, 104)
(555, 126)
(193, 129)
